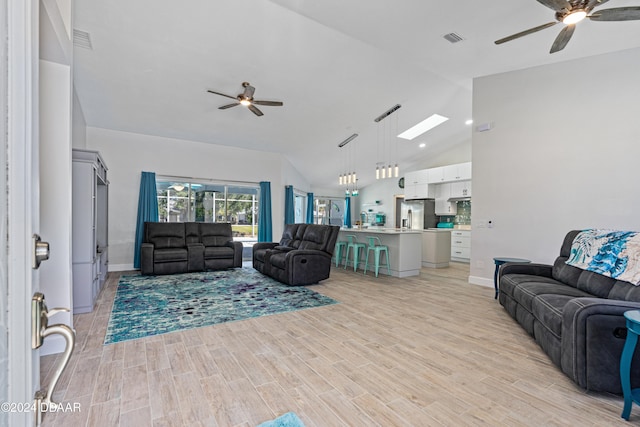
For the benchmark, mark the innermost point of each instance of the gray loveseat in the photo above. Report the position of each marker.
(575, 315)
(181, 247)
(302, 257)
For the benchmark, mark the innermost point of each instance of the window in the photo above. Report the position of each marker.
(300, 202)
(328, 211)
(183, 201)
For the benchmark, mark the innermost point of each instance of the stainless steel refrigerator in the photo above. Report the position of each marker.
(418, 214)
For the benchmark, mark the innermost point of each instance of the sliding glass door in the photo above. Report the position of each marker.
(183, 201)
(328, 211)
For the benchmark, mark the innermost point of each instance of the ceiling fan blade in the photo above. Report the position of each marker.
(271, 103)
(255, 110)
(595, 3)
(248, 90)
(563, 38)
(630, 13)
(221, 94)
(526, 32)
(556, 5)
(224, 107)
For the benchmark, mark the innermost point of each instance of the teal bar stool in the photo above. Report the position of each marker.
(377, 248)
(341, 247)
(356, 246)
(633, 330)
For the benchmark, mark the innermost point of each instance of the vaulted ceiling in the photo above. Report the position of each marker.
(336, 65)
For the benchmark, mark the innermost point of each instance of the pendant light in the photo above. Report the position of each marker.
(384, 169)
(349, 177)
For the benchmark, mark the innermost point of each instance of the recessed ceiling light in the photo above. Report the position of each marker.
(422, 145)
(423, 127)
(468, 122)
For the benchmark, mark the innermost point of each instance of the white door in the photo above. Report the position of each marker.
(18, 207)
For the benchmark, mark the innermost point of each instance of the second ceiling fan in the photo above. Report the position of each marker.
(570, 12)
(246, 99)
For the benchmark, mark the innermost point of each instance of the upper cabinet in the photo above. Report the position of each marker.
(436, 175)
(433, 183)
(450, 173)
(459, 172)
(460, 189)
(416, 185)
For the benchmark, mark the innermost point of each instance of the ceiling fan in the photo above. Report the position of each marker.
(246, 99)
(570, 12)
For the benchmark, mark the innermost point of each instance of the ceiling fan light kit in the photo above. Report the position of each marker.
(246, 99)
(574, 17)
(571, 12)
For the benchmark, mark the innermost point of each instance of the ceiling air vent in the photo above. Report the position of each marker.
(453, 37)
(82, 39)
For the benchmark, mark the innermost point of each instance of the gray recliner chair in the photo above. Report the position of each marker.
(302, 257)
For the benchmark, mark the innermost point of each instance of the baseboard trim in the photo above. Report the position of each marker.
(121, 267)
(481, 281)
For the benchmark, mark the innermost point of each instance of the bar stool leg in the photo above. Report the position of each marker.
(339, 247)
(625, 372)
(366, 261)
(346, 258)
(386, 252)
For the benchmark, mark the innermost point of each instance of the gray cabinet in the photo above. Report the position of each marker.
(90, 198)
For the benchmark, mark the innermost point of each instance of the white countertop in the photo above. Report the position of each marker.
(382, 230)
(447, 229)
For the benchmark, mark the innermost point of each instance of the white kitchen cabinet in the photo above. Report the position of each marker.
(460, 189)
(445, 207)
(416, 185)
(457, 172)
(450, 173)
(442, 194)
(89, 227)
(461, 245)
(436, 175)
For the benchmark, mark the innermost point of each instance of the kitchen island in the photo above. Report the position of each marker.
(436, 247)
(405, 249)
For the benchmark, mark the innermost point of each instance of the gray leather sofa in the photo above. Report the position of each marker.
(302, 257)
(181, 247)
(575, 315)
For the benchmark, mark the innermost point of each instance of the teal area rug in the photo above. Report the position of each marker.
(153, 305)
(289, 419)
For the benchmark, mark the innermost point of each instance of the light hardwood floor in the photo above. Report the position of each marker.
(431, 350)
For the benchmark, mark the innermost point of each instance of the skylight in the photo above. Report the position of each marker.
(424, 126)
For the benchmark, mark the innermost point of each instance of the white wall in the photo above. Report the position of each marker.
(563, 155)
(79, 126)
(55, 134)
(55, 182)
(128, 154)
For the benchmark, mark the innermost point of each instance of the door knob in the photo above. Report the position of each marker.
(40, 251)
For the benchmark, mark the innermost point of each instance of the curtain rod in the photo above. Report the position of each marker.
(191, 178)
